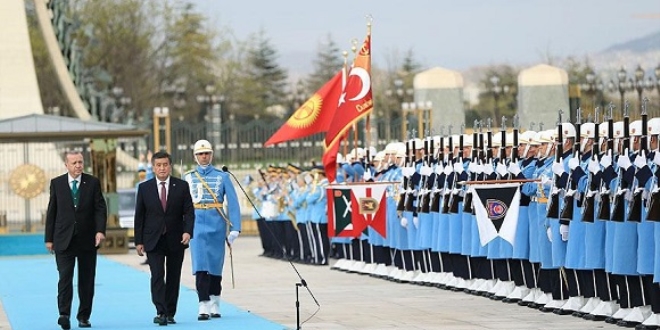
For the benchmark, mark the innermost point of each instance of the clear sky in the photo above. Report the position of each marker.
(455, 34)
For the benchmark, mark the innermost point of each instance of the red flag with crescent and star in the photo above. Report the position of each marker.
(355, 103)
(314, 116)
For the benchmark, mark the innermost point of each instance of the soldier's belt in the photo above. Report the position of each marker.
(207, 206)
(542, 200)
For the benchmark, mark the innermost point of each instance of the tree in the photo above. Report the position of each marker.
(326, 64)
(262, 81)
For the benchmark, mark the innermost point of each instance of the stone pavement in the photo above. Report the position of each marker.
(267, 287)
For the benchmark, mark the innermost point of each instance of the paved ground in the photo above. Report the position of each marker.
(267, 287)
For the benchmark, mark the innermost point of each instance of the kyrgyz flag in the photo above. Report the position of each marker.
(314, 116)
(355, 102)
(496, 207)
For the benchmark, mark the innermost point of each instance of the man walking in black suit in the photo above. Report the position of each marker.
(164, 220)
(75, 226)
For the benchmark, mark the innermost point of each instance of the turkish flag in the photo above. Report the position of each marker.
(355, 103)
(314, 116)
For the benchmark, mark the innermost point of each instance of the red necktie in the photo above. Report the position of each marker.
(163, 195)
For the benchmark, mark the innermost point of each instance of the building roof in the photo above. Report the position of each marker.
(47, 128)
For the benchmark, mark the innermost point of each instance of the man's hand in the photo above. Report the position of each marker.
(49, 247)
(233, 235)
(573, 163)
(139, 249)
(185, 238)
(99, 238)
(558, 168)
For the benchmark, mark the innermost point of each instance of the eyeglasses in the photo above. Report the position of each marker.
(204, 153)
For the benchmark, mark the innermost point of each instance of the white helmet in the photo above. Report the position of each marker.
(586, 132)
(568, 131)
(202, 146)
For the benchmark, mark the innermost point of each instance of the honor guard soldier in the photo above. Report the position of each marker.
(217, 222)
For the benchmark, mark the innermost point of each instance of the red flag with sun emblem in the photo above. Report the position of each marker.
(314, 116)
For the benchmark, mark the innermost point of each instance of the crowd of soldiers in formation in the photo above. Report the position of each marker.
(587, 232)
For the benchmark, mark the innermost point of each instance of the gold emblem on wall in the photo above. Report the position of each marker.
(27, 181)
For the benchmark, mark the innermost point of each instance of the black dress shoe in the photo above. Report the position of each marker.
(578, 314)
(160, 319)
(560, 311)
(524, 303)
(216, 315)
(627, 324)
(547, 309)
(84, 324)
(592, 317)
(64, 322)
(203, 317)
(170, 320)
(612, 320)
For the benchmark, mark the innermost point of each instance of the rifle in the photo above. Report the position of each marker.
(635, 204)
(436, 191)
(604, 209)
(455, 196)
(569, 199)
(431, 184)
(423, 193)
(589, 199)
(467, 200)
(450, 162)
(618, 208)
(553, 203)
(410, 192)
(403, 194)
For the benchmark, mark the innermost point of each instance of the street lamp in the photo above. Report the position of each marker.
(212, 113)
(423, 110)
(640, 84)
(592, 87)
(399, 94)
(497, 90)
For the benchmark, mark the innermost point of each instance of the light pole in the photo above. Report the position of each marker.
(497, 90)
(423, 111)
(212, 113)
(162, 113)
(400, 95)
(592, 87)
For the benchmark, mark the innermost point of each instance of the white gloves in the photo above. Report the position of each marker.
(439, 168)
(458, 167)
(514, 168)
(404, 222)
(563, 230)
(558, 168)
(367, 175)
(233, 235)
(448, 169)
(472, 167)
(548, 232)
(501, 169)
(573, 163)
(488, 169)
(416, 222)
(425, 170)
(606, 160)
(593, 166)
(407, 171)
(624, 161)
(640, 160)
(478, 168)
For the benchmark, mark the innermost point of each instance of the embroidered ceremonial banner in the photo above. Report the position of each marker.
(496, 208)
(353, 208)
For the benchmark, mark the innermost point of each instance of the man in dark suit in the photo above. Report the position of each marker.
(164, 220)
(75, 226)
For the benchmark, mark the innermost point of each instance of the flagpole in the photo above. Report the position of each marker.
(367, 126)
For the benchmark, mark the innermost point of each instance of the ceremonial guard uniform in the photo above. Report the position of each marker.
(217, 222)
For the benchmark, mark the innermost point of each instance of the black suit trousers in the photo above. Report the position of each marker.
(66, 261)
(165, 265)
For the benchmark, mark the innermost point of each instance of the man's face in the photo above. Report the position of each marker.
(162, 168)
(204, 158)
(654, 142)
(74, 165)
(533, 150)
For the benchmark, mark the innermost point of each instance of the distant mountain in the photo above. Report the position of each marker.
(641, 45)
